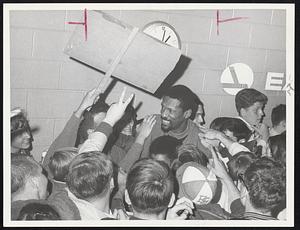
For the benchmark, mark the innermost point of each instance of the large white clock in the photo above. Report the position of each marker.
(164, 32)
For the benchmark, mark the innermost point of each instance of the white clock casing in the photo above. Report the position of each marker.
(164, 32)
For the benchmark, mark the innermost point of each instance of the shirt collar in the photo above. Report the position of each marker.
(248, 125)
(87, 210)
(184, 133)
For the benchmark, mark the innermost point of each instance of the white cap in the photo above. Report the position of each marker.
(15, 112)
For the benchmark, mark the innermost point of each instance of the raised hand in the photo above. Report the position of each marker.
(88, 100)
(263, 131)
(120, 214)
(181, 209)
(145, 128)
(217, 166)
(210, 137)
(116, 110)
(209, 134)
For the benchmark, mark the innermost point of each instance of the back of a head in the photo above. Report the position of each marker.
(89, 175)
(165, 145)
(22, 169)
(150, 185)
(184, 95)
(60, 161)
(190, 153)
(38, 211)
(217, 123)
(278, 147)
(239, 163)
(278, 114)
(265, 180)
(247, 97)
(238, 128)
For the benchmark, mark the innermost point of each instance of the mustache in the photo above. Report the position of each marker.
(164, 119)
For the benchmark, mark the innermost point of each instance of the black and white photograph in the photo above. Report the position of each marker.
(169, 114)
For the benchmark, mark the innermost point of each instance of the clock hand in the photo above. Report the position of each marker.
(168, 38)
(163, 35)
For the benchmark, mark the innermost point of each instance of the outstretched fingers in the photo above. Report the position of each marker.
(122, 95)
(150, 119)
(183, 206)
(126, 103)
(214, 154)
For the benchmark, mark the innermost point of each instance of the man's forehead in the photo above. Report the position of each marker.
(171, 102)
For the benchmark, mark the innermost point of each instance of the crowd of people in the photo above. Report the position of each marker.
(108, 165)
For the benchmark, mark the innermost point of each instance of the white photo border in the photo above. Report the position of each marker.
(290, 64)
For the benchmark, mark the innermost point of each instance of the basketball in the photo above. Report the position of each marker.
(196, 183)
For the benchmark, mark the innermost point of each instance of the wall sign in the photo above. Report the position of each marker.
(274, 81)
(236, 77)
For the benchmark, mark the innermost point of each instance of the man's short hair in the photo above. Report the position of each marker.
(239, 163)
(247, 97)
(150, 184)
(278, 147)
(184, 95)
(89, 175)
(238, 128)
(38, 211)
(23, 167)
(265, 181)
(18, 125)
(191, 153)
(195, 106)
(278, 114)
(217, 123)
(60, 161)
(165, 145)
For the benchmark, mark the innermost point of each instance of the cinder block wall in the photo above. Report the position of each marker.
(50, 86)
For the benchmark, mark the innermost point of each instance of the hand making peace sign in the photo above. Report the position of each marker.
(116, 110)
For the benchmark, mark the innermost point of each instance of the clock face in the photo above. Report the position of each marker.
(163, 32)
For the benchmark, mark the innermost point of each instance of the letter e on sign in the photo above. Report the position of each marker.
(274, 81)
(236, 77)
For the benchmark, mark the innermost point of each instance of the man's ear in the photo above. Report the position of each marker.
(242, 112)
(127, 199)
(283, 124)
(187, 114)
(172, 201)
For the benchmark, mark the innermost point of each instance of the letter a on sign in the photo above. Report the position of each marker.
(236, 77)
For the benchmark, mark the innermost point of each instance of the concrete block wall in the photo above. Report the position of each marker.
(50, 86)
